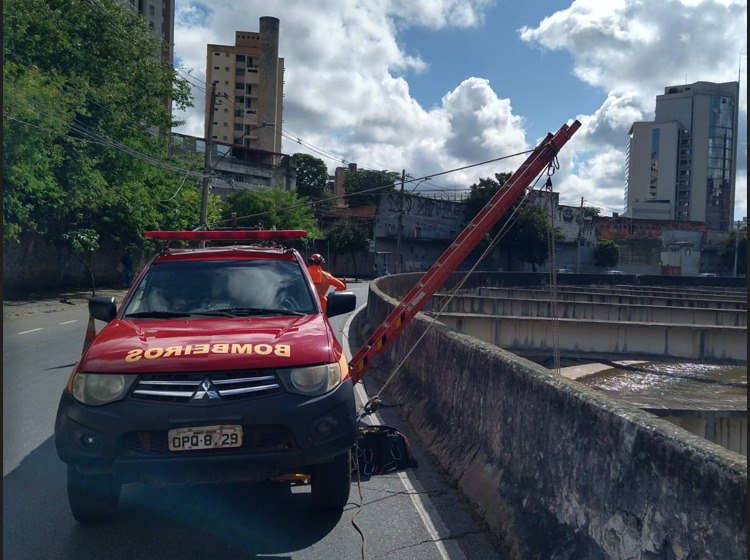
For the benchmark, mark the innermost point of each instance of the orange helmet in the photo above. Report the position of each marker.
(316, 258)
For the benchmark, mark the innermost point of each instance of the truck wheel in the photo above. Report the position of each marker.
(330, 484)
(92, 497)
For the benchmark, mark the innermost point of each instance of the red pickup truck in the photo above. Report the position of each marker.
(219, 365)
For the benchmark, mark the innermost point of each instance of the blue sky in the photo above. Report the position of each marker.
(431, 85)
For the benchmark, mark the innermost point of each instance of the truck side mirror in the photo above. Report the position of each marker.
(103, 308)
(340, 303)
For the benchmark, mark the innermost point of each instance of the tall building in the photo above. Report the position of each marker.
(682, 165)
(249, 77)
(160, 17)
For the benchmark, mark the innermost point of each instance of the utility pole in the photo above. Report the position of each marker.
(207, 160)
(578, 249)
(400, 223)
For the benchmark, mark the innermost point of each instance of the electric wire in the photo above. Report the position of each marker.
(391, 184)
(495, 241)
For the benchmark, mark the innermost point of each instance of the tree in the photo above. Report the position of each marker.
(347, 236)
(527, 238)
(312, 181)
(86, 125)
(364, 187)
(271, 208)
(83, 241)
(606, 253)
(736, 242)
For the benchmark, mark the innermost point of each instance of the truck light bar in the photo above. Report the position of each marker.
(228, 235)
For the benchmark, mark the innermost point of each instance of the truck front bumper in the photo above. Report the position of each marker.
(282, 433)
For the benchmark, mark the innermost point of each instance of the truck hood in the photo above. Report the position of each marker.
(213, 344)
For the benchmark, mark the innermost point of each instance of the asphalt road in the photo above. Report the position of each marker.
(410, 515)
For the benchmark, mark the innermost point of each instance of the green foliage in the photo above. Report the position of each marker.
(312, 181)
(82, 240)
(591, 211)
(75, 70)
(606, 253)
(727, 252)
(271, 208)
(364, 188)
(528, 238)
(347, 236)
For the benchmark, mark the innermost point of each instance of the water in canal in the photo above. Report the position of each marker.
(703, 385)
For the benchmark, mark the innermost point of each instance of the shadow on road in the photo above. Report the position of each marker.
(228, 521)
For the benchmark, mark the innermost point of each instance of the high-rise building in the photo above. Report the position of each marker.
(249, 77)
(160, 17)
(682, 165)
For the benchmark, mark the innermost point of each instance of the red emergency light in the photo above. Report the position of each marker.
(228, 235)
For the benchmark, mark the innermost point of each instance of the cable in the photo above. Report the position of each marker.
(365, 191)
(498, 237)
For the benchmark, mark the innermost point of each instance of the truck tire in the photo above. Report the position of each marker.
(92, 498)
(330, 484)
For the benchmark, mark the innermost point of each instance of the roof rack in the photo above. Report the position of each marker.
(228, 235)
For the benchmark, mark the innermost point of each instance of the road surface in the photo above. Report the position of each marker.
(411, 515)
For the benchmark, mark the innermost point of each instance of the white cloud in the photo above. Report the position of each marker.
(632, 50)
(345, 86)
(347, 75)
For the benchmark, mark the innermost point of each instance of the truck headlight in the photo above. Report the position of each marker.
(311, 381)
(101, 388)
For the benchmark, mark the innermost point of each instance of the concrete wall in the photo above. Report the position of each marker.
(557, 469)
(35, 265)
(526, 307)
(596, 339)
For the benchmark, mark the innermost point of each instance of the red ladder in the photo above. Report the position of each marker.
(454, 255)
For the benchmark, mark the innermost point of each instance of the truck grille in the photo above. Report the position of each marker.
(255, 439)
(205, 387)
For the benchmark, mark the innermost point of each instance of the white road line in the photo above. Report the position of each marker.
(32, 330)
(421, 503)
(68, 322)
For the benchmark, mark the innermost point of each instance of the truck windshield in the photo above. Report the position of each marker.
(221, 288)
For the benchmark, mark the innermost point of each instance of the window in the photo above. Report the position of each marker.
(151, 9)
(217, 54)
(238, 113)
(202, 286)
(239, 72)
(240, 58)
(216, 67)
(239, 85)
(238, 126)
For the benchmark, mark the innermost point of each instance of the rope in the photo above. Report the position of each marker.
(374, 401)
(553, 268)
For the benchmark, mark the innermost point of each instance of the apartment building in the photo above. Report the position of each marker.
(160, 17)
(249, 77)
(682, 165)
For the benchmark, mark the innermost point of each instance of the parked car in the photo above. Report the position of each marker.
(564, 271)
(708, 275)
(615, 272)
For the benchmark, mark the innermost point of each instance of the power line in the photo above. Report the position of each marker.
(379, 188)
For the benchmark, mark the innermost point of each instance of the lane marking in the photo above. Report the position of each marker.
(32, 330)
(421, 503)
(68, 322)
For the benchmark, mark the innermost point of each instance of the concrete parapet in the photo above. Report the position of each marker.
(525, 307)
(583, 337)
(592, 296)
(557, 469)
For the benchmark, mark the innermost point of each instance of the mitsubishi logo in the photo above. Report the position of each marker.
(207, 388)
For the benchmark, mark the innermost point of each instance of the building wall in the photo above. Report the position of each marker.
(249, 78)
(706, 113)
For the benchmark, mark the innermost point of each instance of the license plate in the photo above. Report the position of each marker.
(205, 437)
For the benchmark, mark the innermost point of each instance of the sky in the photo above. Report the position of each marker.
(433, 85)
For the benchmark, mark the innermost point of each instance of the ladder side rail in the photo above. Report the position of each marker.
(455, 254)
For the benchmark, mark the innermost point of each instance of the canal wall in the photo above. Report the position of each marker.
(559, 470)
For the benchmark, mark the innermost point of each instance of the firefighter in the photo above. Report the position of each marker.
(322, 279)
